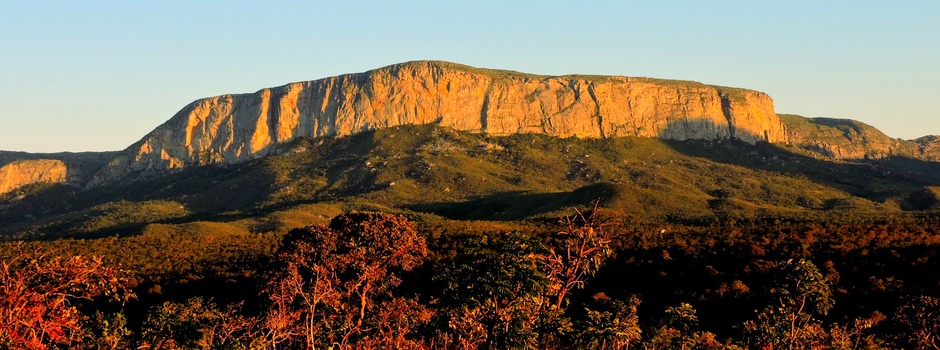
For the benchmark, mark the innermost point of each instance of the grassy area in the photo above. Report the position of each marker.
(449, 174)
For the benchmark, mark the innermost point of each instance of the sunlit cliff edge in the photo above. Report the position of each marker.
(236, 128)
(231, 129)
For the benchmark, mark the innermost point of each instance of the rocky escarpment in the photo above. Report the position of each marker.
(18, 169)
(851, 139)
(27, 172)
(236, 128)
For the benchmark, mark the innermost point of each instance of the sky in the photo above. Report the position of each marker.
(99, 75)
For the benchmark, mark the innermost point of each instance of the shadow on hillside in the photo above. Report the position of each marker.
(511, 206)
(207, 192)
(890, 179)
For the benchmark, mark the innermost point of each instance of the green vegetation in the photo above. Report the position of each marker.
(439, 172)
(502, 74)
(846, 138)
(368, 280)
(701, 244)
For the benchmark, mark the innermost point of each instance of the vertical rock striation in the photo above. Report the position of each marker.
(236, 128)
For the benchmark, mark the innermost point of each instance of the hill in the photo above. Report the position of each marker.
(19, 169)
(445, 173)
(459, 142)
(851, 139)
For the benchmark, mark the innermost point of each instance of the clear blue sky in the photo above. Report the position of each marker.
(98, 75)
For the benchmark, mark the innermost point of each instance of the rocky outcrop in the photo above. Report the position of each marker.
(27, 172)
(236, 128)
(24, 168)
(928, 147)
(851, 139)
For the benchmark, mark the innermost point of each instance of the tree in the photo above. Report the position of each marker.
(680, 330)
(615, 325)
(585, 246)
(854, 335)
(334, 282)
(494, 290)
(800, 292)
(920, 317)
(196, 324)
(109, 331)
(40, 295)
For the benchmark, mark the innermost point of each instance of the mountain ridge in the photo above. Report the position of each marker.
(438, 171)
(851, 139)
(20, 169)
(235, 128)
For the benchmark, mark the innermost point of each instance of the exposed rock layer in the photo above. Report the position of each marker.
(236, 128)
(79, 167)
(27, 172)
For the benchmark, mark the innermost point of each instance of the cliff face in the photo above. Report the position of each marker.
(19, 169)
(26, 172)
(236, 128)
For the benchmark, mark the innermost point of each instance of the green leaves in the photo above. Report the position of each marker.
(801, 287)
(801, 293)
(496, 270)
(495, 291)
(616, 324)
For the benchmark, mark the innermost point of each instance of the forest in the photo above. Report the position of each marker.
(595, 278)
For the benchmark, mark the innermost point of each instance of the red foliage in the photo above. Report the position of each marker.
(39, 294)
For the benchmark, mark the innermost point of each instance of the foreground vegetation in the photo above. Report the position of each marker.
(697, 245)
(596, 279)
(437, 171)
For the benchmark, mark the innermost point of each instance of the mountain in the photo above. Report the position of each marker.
(19, 169)
(437, 172)
(709, 197)
(234, 128)
(866, 167)
(21, 173)
(851, 139)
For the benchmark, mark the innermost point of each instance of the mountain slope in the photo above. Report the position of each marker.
(431, 170)
(235, 128)
(851, 139)
(22, 169)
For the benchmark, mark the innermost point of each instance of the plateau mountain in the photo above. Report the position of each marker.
(234, 129)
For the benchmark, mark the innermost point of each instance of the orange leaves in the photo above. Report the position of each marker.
(334, 284)
(586, 245)
(39, 294)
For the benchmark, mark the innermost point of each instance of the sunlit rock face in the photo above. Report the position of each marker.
(27, 172)
(236, 128)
